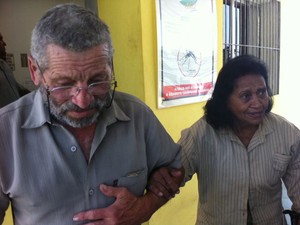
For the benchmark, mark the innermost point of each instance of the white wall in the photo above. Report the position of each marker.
(287, 102)
(17, 19)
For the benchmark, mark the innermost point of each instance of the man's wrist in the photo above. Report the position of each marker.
(149, 204)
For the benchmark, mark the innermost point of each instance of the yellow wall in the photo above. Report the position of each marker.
(8, 219)
(133, 27)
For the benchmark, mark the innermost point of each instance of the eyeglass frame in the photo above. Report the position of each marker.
(78, 89)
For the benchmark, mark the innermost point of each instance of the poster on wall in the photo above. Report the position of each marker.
(187, 51)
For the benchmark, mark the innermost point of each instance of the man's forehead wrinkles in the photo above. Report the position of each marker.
(79, 65)
(80, 74)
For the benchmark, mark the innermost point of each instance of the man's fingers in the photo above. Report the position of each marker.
(109, 190)
(112, 191)
(97, 215)
(123, 210)
(89, 215)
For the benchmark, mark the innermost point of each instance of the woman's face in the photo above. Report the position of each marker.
(249, 100)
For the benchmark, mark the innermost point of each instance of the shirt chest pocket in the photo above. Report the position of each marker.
(134, 181)
(280, 163)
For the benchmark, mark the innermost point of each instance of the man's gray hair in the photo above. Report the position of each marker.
(69, 26)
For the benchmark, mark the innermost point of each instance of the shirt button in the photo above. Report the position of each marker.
(91, 191)
(73, 149)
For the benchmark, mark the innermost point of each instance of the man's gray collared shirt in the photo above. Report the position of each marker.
(45, 175)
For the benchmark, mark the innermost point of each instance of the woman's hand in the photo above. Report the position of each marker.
(165, 182)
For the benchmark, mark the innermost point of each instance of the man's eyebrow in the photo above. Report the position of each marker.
(103, 75)
(60, 78)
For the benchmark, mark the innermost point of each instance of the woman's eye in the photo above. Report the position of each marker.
(262, 93)
(245, 97)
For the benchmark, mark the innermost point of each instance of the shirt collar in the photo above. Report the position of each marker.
(113, 113)
(38, 114)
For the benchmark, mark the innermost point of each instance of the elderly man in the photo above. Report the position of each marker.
(76, 151)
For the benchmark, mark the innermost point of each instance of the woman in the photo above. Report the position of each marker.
(241, 151)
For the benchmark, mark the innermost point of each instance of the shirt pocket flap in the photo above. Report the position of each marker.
(280, 161)
(132, 178)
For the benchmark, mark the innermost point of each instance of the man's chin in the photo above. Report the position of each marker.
(79, 122)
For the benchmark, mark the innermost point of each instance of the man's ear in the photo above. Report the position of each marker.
(34, 71)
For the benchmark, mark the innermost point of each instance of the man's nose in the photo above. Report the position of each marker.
(83, 98)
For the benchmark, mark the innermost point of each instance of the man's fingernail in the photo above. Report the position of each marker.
(75, 218)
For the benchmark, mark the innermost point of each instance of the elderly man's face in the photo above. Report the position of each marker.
(2, 48)
(82, 70)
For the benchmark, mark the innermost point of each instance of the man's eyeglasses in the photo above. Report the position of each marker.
(95, 89)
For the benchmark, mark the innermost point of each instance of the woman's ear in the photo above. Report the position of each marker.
(34, 71)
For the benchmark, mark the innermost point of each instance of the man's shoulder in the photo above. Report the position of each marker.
(122, 96)
(125, 100)
(17, 107)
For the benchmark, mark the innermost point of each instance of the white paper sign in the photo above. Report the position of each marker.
(187, 51)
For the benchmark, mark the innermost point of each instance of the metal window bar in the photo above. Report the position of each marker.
(253, 27)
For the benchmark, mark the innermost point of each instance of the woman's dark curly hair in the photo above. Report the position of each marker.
(216, 110)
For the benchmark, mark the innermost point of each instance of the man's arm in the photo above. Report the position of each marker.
(127, 209)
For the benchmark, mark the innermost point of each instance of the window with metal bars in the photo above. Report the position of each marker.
(253, 27)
